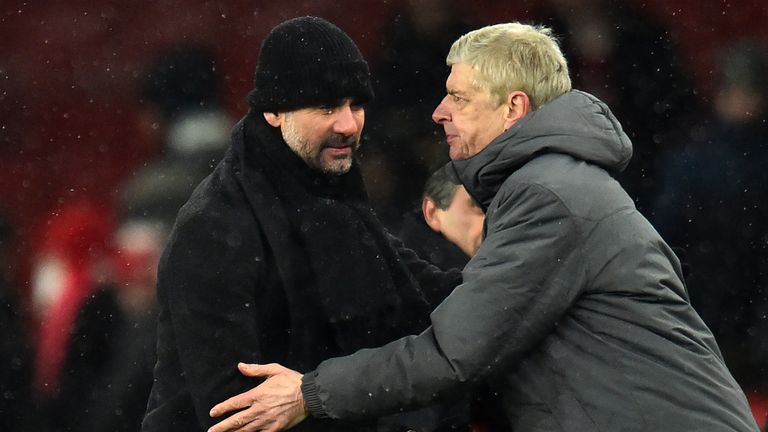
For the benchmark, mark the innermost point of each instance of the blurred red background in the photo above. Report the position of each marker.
(69, 75)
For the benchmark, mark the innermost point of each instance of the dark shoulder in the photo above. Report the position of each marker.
(217, 195)
(217, 222)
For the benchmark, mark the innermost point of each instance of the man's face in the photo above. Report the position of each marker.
(462, 222)
(468, 117)
(325, 137)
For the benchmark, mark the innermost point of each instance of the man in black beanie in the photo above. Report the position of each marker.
(266, 259)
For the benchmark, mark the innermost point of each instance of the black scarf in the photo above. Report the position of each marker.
(338, 254)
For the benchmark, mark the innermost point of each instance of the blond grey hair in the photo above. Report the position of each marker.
(514, 56)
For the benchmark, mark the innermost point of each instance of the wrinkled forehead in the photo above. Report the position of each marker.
(462, 79)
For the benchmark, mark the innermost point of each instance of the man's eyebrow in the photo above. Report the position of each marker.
(455, 92)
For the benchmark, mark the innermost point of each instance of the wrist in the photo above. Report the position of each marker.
(309, 391)
(302, 399)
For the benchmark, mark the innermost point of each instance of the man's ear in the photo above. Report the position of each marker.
(518, 106)
(274, 119)
(430, 211)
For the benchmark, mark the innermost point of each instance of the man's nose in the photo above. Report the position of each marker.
(441, 114)
(345, 123)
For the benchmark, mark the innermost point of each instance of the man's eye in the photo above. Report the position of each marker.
(327, 109)
(456, 98)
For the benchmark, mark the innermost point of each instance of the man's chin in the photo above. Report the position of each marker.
(337, 166)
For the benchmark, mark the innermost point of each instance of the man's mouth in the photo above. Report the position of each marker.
(338, 151)
(338, 142)
(345, 147)
(338, 146)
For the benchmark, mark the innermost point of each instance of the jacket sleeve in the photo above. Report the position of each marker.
(209, 280)
(434, 282)
(523, 279)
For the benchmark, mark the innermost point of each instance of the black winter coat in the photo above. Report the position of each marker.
(271, 262)
(433, 247)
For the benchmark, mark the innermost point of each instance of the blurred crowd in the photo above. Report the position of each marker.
(78, 309)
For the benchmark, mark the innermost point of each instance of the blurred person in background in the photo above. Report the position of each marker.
(277, 256)
(123, 386)
(180, 90)
(713, 204)
(97, 332)
(182, 110)
(73, 341)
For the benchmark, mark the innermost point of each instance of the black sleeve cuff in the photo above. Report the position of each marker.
(311, 399)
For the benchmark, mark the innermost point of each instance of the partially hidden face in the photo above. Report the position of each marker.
(469, 118)
(325, 137)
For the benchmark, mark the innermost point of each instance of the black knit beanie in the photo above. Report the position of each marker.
(308, 61)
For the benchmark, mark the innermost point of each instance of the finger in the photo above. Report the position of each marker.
(243, 400)
(238, 421)
(257, 370)
(265, 419)
(259, 425)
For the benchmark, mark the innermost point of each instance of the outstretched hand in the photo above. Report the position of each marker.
(274, 405)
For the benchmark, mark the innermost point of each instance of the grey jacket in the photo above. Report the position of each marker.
(573, 309)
